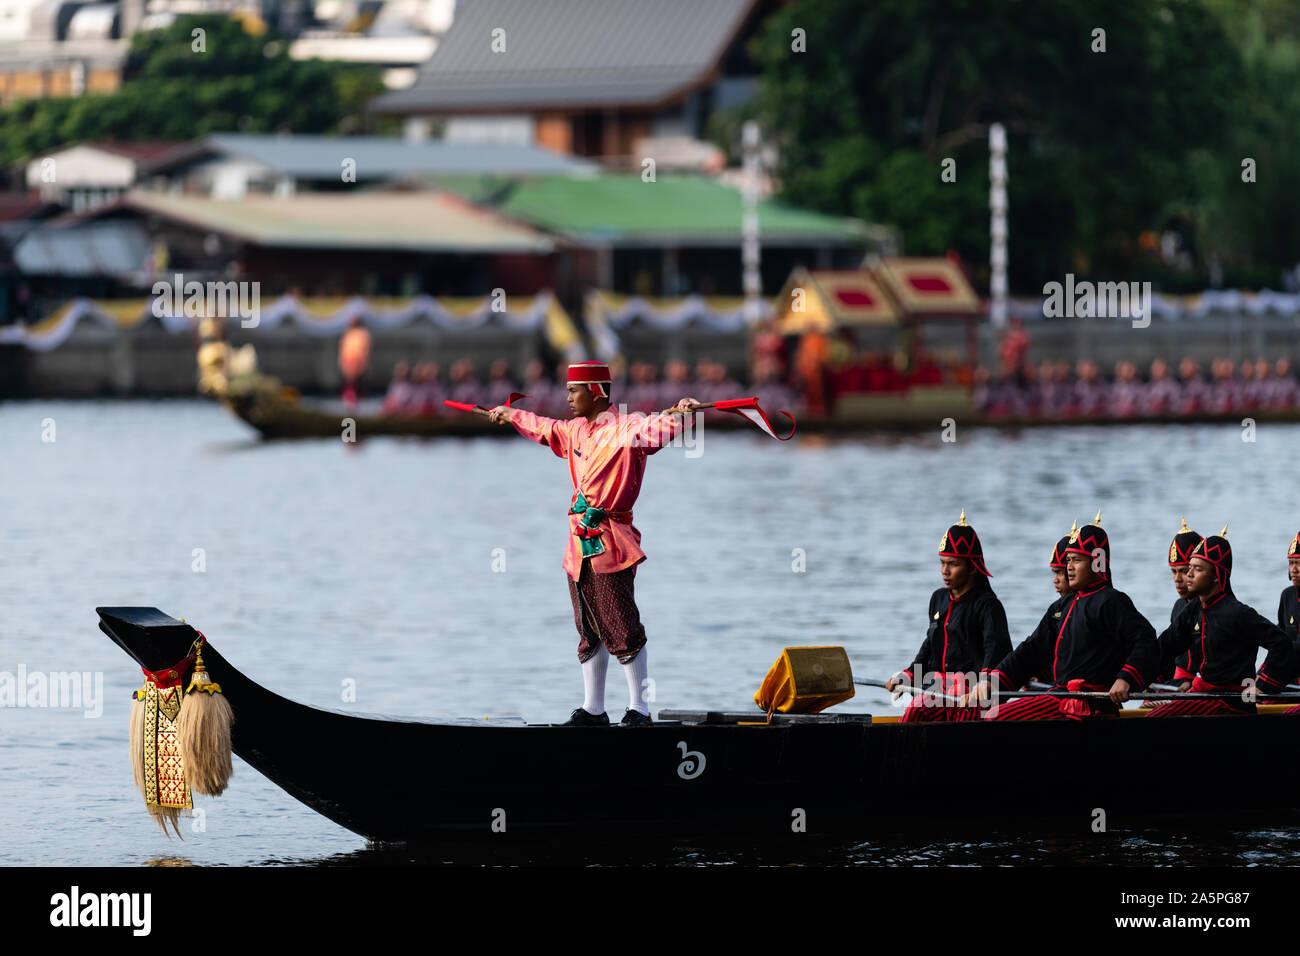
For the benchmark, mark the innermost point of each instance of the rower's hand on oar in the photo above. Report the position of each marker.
(895, 686)
(500, 415)
(977, 696)
(1119, 691)
(1184, 687)
(687, 405)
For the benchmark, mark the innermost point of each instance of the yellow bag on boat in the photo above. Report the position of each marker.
(806, 680)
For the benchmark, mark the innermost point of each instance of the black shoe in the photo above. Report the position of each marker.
(634, 718)
(580, 718)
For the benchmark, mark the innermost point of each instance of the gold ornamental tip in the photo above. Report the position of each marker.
(962, 520)
(1224, 532)
(1097, 520)
(1184, 527)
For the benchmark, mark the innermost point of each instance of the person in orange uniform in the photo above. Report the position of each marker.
(607, 454)
(354, 359)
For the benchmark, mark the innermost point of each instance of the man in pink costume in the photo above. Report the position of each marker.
(607, 458)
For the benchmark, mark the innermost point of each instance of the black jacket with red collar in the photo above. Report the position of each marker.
(1094, 635)
(965, 635)
(1224, 637)
(1288, 612)
(1187, 663)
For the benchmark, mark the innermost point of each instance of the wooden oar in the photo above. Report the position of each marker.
(1082, 694)
(908, 689)
(1172, 688)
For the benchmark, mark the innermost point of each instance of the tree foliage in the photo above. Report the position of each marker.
(238, 82)
(1104, 147)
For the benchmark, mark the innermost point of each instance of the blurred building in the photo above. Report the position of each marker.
(677, 235)
(231, 165)
(397, 35)
(589, 77)
(58, 48)
(373, 243)
(90, 174)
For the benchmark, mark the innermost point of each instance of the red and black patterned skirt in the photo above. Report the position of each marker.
(605, 613)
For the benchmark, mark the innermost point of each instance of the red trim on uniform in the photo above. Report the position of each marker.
(1263, 680)
(944, 660)
(1057, 646)
(1202, 667)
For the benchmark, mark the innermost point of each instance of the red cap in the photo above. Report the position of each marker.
(595, 375)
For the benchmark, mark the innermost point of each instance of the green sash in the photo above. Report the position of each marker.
(587, 531)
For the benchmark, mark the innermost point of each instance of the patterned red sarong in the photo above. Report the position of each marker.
(610, 617)
(1028, 708)
(923, 709)
(1054, 708)
(1203, 708)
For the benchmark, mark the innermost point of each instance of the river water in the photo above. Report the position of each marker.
(427, 575)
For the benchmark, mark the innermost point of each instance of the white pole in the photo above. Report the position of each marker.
(998, 225)
(750, 251)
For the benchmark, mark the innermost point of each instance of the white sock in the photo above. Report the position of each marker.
(636, 672)
(593, 681)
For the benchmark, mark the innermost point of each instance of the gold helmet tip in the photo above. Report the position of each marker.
(1097, 520)
(1224, 532)
(962, 520)
(1184, 527)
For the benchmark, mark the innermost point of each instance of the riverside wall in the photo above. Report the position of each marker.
(151, 362)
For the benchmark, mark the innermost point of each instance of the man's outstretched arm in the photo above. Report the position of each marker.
(658, 429)
(545, 431)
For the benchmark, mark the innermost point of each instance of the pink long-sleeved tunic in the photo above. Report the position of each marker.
(607, 460)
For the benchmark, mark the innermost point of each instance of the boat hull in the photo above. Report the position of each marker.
(407, 781)
(279, 418)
